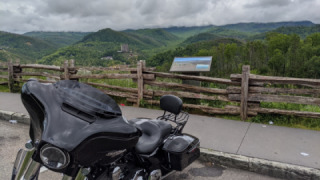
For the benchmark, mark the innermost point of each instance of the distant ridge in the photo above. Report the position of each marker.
(146, 38)
(60, 39)
(185, 32)
(263, 27)
(15, 46)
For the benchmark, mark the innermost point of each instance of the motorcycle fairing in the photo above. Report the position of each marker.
(72, 112)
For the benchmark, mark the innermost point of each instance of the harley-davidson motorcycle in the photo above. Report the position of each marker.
(80, 132)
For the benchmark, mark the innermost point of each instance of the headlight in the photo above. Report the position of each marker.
(53, 157)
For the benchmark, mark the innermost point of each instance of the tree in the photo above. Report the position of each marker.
(294, 57)
(312, 67)
(277, 63)
(278, 41)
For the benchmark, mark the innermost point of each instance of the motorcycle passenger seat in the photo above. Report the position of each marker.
(153, 134)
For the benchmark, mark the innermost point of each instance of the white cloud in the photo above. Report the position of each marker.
(82, 15)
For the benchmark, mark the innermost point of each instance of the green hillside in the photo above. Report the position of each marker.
(25, 48)
(201, 37)
(60, 39)
(164, 59)
(224, 32)
(264, 27)
(109, 35)
(145, 38)
(148, 43)
(93, 47)
(85, 54)
(185, 32)
(217, 33)
(278, 55)
(302, 31)
(157, 34)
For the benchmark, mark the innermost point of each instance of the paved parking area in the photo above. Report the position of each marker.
(14, 136)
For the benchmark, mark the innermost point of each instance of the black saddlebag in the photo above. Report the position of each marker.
(181, 151)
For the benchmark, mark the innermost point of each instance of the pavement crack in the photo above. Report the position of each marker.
(243, 138)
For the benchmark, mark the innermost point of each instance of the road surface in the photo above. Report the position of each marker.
(14, 136)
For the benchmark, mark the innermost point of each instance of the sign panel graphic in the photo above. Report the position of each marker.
(191, 64)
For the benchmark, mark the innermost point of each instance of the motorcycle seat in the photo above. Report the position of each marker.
(153, 134)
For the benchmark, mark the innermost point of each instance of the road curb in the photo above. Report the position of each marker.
(261, 166)
(19, 117)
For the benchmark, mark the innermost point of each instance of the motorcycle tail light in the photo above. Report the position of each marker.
(53, 157)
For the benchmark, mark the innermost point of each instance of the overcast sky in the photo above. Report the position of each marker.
(21, 16)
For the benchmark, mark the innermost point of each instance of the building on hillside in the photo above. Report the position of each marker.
(124, 48)
(107, 58)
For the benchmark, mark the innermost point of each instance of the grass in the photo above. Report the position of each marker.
(287, 120)
(4, 88)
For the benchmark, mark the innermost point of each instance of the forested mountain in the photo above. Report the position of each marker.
(60, 39)
(252, 27)
(93, 47)
(157, 45)
(264, 27)
(164, 60)
(24, 48)
(157, 34)
(201, 37)
(278, 55)
(302, 31)
(217, 33)
(185, 32)
(146, 38)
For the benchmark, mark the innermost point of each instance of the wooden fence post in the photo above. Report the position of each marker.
(10, 76)
(72, 69)
(244, 92)
(140, 81)
(71, 64)
(66, 70)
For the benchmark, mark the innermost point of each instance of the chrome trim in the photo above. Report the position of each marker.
(155, 175)
(137, 175)
(66, 177)
(79, 176)
(17, 163)
(24, 166)
(116, 173)
(32, 171)
(194, 147)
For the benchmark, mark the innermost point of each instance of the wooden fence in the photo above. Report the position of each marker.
(240, 95)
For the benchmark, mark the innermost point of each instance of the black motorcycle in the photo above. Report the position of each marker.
(79, 131)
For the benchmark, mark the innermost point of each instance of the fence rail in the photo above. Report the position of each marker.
(241, 95)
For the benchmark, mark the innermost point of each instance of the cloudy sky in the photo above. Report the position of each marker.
(21, 16)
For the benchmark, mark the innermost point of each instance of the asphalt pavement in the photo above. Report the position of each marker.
(269, 142)
(14, 136)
